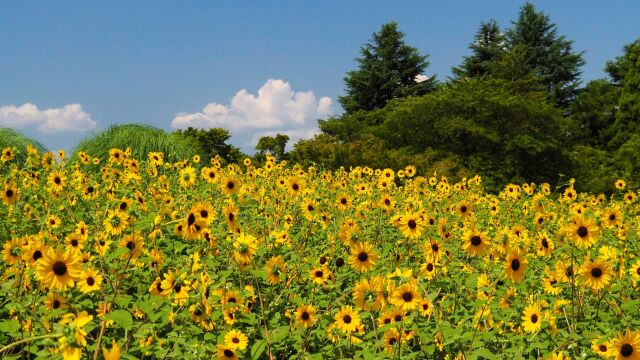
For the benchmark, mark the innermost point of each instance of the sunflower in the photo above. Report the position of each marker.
(596, 274)
(320, 275)
(343, 202)
(464, 209)
(620, 184)
(406, 296)
(10, 194)
(53, 221)
(225, 352)
(411, 225)
(187, 177)
(115, 222)
(7, 154)
(368, 294)
(204, 211)
(532, 318)
(12, 251)
(230, 185)
(57, 180)
(544, 245)
(347, 319)
(246, 247)
(90, 280)
(32, 252)
(275, 267)
(611, 217)
(583, 231)
(362, 256)
(134, 243)
(74, 242)
(114, 353)
(627, 346)
(475, 242)
(306, 316)
(515, 265)
(604, 349)
(59, 270)
(54, 302)
(309, 208)
(391, 339)
(634, 271)
(210, 175)
(231, 215)
(294, 186)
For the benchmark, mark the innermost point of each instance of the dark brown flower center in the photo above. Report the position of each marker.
(9, 193)
(407, 297)
(319, 273)
(596, 272)
(343, 201)
(38, 254)
(56, 304)
(534, 318)
(305, 316)
(545, 243)
(90, 281)
(235, 340)
(74, 242)
(463, 209)
(429, 267)
(228, 353)
(131, 245)
(363, 256)
(612, 217)
(204, 213)
(515, 264)
(412, 224)
(346, 319)
(59, 268)
(583, 231)
(191, 219)
(626, 350)
(476, 240)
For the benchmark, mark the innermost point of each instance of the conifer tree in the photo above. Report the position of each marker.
(487, 49)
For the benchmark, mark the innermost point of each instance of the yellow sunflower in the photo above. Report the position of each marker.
(411, 225)
(225, 352)
(627, 346)
(57, 180)
(275, 267)
(515, 265)
(236, 340)
(475, 242)
(362, 256)
(10, 194)
(347, 319)
(306, 316)
(583, 231)
(596, 274)
(246, 247)
(532, 318)
(406, 296)
(59, 270)
(90, 280)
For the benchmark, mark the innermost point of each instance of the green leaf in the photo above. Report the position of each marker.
(10, 326)
(258, 348)
(122, 318)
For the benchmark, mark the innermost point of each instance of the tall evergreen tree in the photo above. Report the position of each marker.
(628, 115)
(487, 48)
(388, 69)
(550, 56)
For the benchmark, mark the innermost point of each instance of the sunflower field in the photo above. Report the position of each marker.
(118, 257)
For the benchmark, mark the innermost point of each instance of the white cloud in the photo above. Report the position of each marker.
(27, 116)
(275, 109)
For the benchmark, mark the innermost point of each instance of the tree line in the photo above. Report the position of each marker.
(514, 110)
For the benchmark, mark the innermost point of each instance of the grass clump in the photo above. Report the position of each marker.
(18, 142)
(141, 139)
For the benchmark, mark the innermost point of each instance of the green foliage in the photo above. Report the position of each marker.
(550, 56)
(486, 50)
(18, 142)
(212, 142)
(618, 68)
(387, 70)
(627, 121)
(594, 111)
(142, 139)
(273, 144)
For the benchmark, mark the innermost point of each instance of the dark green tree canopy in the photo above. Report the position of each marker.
(273, 144)
(213, 142)
(486, 50)
(549, 55)
(618, 68)
(387, 69)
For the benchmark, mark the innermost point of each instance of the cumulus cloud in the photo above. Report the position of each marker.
(275, 109)
(27, 116)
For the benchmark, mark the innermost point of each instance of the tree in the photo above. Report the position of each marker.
(627, 121)
(486, 50)
(388, 69)
(618, 68)
(213, 142)
(273, 144)
(594, 111)
(550, 56)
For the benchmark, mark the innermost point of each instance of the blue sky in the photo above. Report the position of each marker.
(71, 68)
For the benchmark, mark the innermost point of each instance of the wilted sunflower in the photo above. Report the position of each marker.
(596, 274)
(475, 242)
(347, 319)
(583, 231)
(532, 318)
(627, 346)
(59, 270)
(406, 297)
(306, 316)
(515, 265)
(362, 256)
